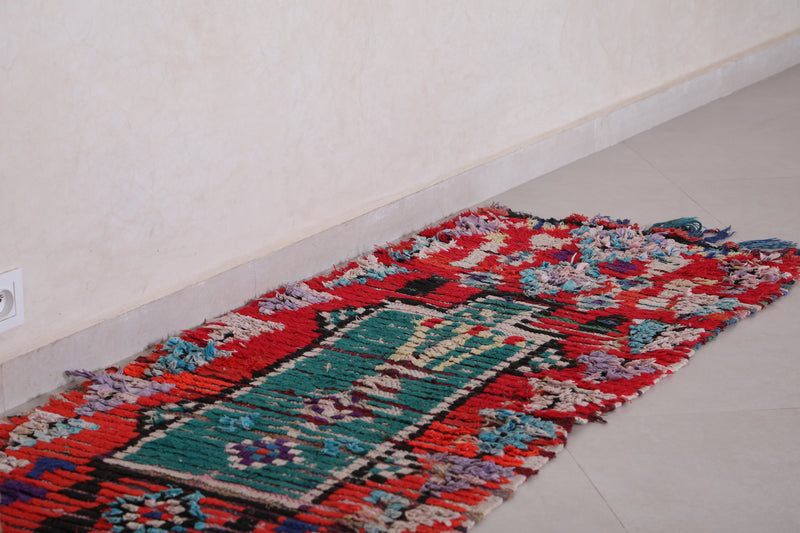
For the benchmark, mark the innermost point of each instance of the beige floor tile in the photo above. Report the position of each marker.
(750, 135)
(615, 182)
(756, 208)
(726, 472)
(560, 499)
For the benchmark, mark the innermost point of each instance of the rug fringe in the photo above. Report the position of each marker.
(695, 229)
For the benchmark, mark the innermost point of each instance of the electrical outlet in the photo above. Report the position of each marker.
(12, 307)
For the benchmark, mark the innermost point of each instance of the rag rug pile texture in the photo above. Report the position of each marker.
(411, 390)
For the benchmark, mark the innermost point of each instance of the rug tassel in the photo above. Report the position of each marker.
(594, 417)
(694, 228)
(768, 244)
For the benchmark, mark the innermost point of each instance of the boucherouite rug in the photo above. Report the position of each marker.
(411, 390)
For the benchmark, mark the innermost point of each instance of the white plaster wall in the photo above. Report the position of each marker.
(149, 145)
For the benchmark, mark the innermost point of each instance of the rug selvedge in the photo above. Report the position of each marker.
(411, 390)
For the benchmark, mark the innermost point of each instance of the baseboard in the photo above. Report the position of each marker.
(42, 371)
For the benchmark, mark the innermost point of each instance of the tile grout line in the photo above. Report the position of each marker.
(672, 182)
(599, 493)
(759, 178)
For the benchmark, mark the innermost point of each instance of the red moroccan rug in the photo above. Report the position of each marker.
(411, 390)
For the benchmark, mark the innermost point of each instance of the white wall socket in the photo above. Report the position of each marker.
(12, 306)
